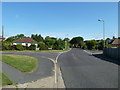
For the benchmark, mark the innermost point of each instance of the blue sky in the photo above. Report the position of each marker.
(60, 19)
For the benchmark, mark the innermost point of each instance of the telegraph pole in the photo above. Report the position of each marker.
(2, 33)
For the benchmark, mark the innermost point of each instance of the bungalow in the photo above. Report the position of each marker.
(26, 41)
(116, 42)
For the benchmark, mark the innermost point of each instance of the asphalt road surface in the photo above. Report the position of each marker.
(45, 67)
(82, 70)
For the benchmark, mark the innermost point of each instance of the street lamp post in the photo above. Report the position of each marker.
(101, 20)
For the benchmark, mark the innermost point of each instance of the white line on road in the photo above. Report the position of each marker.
(87, 52)
(60, 54)
(56, 60)
(55, 63)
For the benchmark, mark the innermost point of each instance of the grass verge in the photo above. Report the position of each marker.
(21, 62)
(4, 80)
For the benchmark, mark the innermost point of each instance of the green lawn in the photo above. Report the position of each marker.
(21, 62)
(28, 50)
(4, 80)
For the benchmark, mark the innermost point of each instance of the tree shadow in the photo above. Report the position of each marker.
(105, 58)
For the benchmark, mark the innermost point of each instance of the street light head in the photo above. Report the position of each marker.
(100, 20)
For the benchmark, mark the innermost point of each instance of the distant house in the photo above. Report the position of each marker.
(26, 41)
(116, 42)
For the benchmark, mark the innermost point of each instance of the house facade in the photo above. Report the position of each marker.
(26, 41)
(116, 42)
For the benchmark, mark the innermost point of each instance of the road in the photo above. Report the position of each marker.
(45, 67)
(82, 70)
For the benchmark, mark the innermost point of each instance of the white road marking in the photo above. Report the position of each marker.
(87, 52)
(55, 62)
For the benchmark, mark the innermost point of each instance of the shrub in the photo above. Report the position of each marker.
(19, 47)
(84, 46)
(32, 47)
(108, 46)
(6, 45)
(42, 46)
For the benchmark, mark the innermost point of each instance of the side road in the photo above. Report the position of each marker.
(45, 69)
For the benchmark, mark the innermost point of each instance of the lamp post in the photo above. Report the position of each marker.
(101, 20)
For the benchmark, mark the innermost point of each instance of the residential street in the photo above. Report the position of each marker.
(79, 69)
(82, 70)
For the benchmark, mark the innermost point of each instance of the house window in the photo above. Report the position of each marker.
(19, 43)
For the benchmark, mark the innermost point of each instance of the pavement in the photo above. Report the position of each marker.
(83, 70)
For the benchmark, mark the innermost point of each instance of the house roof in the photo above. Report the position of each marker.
(116, 41)
(25, 40)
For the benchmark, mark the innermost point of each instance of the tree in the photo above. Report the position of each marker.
(91, 44)
(67, 44)
(37, 37)
(101, 45)
(77, 41)
(59, 44)
(42, 46)
(113, 37)
(12, 38)
(49, 41)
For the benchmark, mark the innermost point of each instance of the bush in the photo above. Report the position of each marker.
(84, 46)
(92, 44)
(42, 46)
(6, 45)
(19, 47)
(108, 46)
(32, 47)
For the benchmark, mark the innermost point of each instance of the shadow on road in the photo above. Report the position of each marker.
(102, 57)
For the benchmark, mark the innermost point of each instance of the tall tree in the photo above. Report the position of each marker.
(77, 41)
(12, 38)
(37, 37)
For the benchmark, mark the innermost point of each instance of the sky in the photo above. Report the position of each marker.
(60, 19)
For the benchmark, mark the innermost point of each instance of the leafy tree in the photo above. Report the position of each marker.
(42, 46)
(37, 38)
(49, 41)
(59, 44)
(77, 41)
(101, 45)
(12, 38)
(91, 44)
(113, 37)
(66, 39)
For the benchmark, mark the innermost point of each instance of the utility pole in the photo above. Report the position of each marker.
(2, 33)
(101, 20)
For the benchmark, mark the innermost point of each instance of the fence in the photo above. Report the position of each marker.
(112, 52)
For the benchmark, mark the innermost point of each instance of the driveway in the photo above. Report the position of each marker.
(82, 70)
(45, 67)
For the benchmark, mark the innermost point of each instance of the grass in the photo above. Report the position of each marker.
(29, 50)
(21, 62)
(4, 80)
